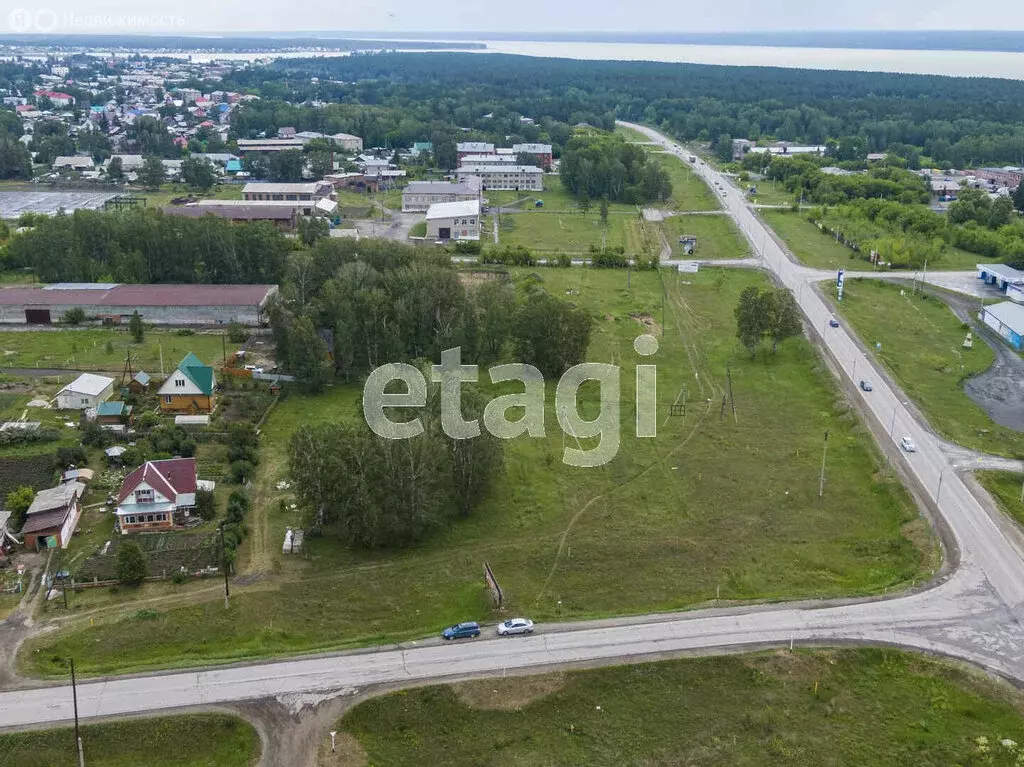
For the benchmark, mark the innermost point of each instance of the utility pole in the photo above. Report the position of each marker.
(224, 347)
(224, 563)
(938, 490)
(1022, 492)
(74, 698)
(893, 425)
(821, 481)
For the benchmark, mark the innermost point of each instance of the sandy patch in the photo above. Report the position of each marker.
(508, 694)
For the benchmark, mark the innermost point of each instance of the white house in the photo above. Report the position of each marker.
(158, 495)
(86, 391)
(454, 220)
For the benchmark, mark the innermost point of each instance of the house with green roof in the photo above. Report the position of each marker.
(189, 389)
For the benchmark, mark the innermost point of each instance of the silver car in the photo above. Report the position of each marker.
(515, 626)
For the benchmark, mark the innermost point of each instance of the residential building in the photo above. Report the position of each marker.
(52, 517)
(158, 495)
(300, 192)
(420, 195)
(57, 98)
(488, 159)
(347, 142)
(454, 220)
(113, 413)
(265, 145)
(157, 304)
(541, 153)
(518, 178)
(129, 162)
(464, 148)
(1007, 319)
(76, 162)
(189, 389)
(86, 391)
(422, 146)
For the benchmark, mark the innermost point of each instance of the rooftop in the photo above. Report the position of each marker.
(59, 497)
(500, 169)
(261, 187)
(1008, 273)
(88, 383)
(453, 209)
(1010, 314)
(139, 296)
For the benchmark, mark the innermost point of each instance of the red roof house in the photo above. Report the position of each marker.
(157, 495)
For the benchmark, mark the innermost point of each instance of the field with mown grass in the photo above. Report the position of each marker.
(823, 707)
(717, 501)
(195, 740)
(1007, 488)
(921, 346)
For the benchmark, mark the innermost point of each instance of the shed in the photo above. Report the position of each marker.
(193, 421)
(139, 383)
(86, 391)
(1007, 319)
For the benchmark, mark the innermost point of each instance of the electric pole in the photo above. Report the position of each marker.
(224, 563)
(74, 698)
(821, 481)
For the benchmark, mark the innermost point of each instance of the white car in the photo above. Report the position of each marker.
(515, 626)
(908, 444)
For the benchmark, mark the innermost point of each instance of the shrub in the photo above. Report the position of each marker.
(131, 564)
(66, 457)
(74, 316)
(241, 471)
(237, 333)
(147, 420)
(179, 576)
(206, 504)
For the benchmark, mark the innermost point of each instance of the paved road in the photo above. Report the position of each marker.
(973, 613)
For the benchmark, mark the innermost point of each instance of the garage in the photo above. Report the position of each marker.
(37, 316)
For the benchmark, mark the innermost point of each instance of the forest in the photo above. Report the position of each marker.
(954, 121)
(146, 245)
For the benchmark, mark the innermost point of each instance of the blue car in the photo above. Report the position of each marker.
(466, 630)
(833, 323)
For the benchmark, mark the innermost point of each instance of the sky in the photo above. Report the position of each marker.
(213, 16)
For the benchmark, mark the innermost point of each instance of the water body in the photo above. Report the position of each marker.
(954, 63)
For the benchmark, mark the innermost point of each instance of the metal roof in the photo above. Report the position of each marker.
(88, 383)
(140, 296)
(1008, 273)
(453, 209)
(1010, 314)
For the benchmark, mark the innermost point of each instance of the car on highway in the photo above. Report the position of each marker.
(465, 630)
(908, 444)
(865, 384)
(833, 323)
(515, 626)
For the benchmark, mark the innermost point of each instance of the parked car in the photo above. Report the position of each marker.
(466, 630)
(865, 384)
(833, 323)
(515, 626)
(908, 444)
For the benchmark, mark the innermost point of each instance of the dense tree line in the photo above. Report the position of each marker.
(373, 302)
(907, 235)
(954, 121)
(396, 491)
(145, 245)
(803, 176)
(604, 166)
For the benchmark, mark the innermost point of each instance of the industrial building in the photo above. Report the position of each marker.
(282, 216)
(454, 221)
(309, 191)
(1009, 280)
(515, 178)
(157, 304)
(1007, 319)
(418, 196)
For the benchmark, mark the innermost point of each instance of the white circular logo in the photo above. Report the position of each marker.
(46, 20)
(19, 20)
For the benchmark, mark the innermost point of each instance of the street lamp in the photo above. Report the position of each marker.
(938, 490)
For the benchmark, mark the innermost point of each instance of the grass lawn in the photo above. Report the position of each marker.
(820, 250)
(730, 503)
(717, 236)
(689, 192)
(844, 707)
(1005, 487)
(921, 346)
(768, 195)
(106, 349)
(168, 192)
(196, 740)
(556, 198)
(419, 229)
(631, 134)
(548, 231)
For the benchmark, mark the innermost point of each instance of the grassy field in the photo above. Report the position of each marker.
(817, 249)
(1006, 487)
(717, 236)
(847, 707)
(768, 194)
(106, 349)
(197, 740)
(710, 503)
(689, 192)
(568, 232)
(921, 347)
(168, 192)
(630, 134)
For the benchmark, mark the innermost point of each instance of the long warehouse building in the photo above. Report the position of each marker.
(157, 304)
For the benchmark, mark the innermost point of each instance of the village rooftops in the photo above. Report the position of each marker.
(54, 498)
(89, 384)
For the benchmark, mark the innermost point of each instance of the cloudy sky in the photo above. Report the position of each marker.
(114, 16)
